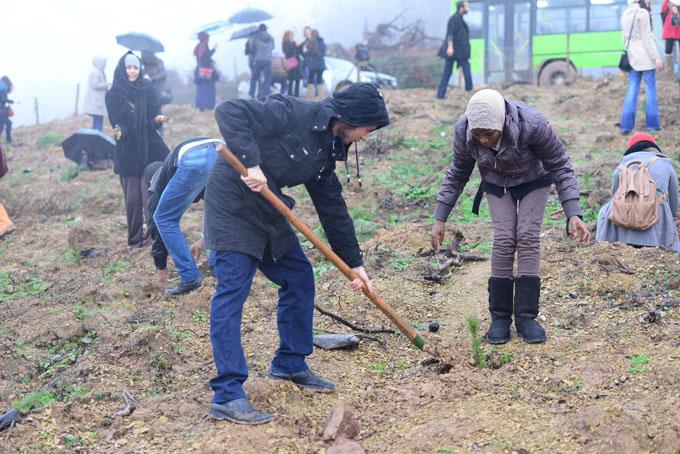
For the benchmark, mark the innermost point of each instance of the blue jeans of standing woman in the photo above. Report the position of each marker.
(234, 272)
(5, 122)
(97, 122)
(188, 181)
(630, 102)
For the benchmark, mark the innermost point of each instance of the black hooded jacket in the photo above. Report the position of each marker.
(291, 140)
(133, 106)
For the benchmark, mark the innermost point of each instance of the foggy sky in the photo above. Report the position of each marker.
(47, 46)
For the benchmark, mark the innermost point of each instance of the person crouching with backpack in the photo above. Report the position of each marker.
(519, 157)
(632, 217)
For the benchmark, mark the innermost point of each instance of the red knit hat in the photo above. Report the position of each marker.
(641, 141)
(640, 137)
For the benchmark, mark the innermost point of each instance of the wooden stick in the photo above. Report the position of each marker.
(351, 325)
(282, 208)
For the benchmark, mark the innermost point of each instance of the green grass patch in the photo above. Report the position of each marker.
(50, 139)
(638, 363)
(322, 267)
(401, 264)
(34, 399)
(507, 357)
(378, 367)
(10, 290)
(69, 172)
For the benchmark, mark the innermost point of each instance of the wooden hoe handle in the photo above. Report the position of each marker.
(282, 208)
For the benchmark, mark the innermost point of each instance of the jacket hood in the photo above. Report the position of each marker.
(99, 63)
(361, 104)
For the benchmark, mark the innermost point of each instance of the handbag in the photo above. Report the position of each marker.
(675, 20)
(624, 63)
(292, 63)
(205, 72)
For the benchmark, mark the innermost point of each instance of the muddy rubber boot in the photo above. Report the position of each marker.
(500, 307)
(527, 293)
(668, 63)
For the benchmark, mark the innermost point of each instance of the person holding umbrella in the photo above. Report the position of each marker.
(205, 74)
(133, 110)
(284, 142)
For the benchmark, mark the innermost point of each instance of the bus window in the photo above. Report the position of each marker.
(605, 15)
(474, 19)
(560, 16)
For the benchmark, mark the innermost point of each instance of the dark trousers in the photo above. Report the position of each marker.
(294, 80)
(6, 122)
(261, 68)
(446, 75)
(136, 208)
(97, 122)
(234, 272)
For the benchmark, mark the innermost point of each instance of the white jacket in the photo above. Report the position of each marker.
(642, 50)
(96, 89)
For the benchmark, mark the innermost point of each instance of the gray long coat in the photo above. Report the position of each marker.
(664, 232)
(96, 89)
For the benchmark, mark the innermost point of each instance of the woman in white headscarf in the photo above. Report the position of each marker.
(519, 157)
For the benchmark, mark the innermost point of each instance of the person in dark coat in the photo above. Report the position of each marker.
(205, 74)
(456, 49)
(133, 110)
(5, 109)
(519, 157)
(283, 141)
(291, 52)
(315, 58)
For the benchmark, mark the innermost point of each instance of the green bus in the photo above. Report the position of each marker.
(544, 41)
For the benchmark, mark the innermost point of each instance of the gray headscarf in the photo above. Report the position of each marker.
(486, 110)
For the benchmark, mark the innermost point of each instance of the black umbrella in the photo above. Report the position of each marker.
(248, 15)
(89, 148)
(244, 33)
(140, 41)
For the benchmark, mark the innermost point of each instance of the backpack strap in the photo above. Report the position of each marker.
(652, 160)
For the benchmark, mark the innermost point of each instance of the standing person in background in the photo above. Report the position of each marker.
(291, 52)
(644, 58)
(205, 74)
(307, 34)
(671, 29)
(96, 92)
(154, 71)
(316, 63)
(261, 47)
(5, 110)
(456, 49)
(133, 110)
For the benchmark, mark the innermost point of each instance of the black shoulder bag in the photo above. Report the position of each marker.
(624, 64)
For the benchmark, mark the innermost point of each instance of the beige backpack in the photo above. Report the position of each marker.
(635, 204)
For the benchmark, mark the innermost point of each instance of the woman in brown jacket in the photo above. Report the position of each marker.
(519, 157)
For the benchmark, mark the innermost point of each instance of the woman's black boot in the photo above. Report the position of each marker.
(527, 293)
(500, 306)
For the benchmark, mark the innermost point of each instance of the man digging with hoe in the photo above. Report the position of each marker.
(283, 142)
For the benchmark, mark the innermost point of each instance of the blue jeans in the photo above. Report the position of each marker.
(446, 75)
(630, 102)
(97, 122)
(5, 122)
(182, 189)
(234, 272)
(261, 67)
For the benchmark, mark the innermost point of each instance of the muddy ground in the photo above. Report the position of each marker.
(76, 332)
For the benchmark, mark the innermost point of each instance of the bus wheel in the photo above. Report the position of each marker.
(557, 73)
